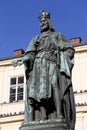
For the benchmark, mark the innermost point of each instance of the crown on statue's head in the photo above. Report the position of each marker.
(44, 14)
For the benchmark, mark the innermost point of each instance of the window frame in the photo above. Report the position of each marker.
(17, 85)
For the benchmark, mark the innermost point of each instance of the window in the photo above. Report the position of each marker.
(16, 88)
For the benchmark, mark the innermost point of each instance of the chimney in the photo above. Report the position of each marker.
(75, 41)
(18, 52)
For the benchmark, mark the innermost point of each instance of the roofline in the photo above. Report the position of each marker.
(12, 57)
(80, 44)
(19, 56)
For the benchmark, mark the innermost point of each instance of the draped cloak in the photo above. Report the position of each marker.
(51, 62)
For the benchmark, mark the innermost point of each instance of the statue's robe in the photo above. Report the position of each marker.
(50, 63)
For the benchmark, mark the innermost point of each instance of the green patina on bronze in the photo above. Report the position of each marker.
(48, 61)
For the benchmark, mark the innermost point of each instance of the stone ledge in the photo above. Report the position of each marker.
(45, 125)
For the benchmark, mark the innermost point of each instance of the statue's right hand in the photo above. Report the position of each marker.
(17, 63)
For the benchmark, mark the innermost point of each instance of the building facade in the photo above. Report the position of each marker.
(13, 83)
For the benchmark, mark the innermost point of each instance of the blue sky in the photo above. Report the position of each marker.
(19, 21)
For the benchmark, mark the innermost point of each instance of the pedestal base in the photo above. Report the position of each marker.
(45, 125)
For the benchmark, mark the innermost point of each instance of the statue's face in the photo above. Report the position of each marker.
(44, 25)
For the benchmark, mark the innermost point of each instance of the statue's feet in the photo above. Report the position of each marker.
(60, 116)
(43, 118)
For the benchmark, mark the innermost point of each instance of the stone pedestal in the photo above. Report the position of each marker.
(45, 125)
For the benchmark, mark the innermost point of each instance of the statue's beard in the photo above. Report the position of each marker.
(44, 28)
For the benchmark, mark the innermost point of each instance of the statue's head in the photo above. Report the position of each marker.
(45, 23)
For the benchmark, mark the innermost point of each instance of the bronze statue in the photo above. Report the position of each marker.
(48, 64)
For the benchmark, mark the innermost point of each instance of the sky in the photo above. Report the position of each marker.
(19, 21)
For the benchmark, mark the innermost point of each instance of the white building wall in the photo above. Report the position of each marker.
(14, 120)
(11, 123)
(79, 79)
(80, 69)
